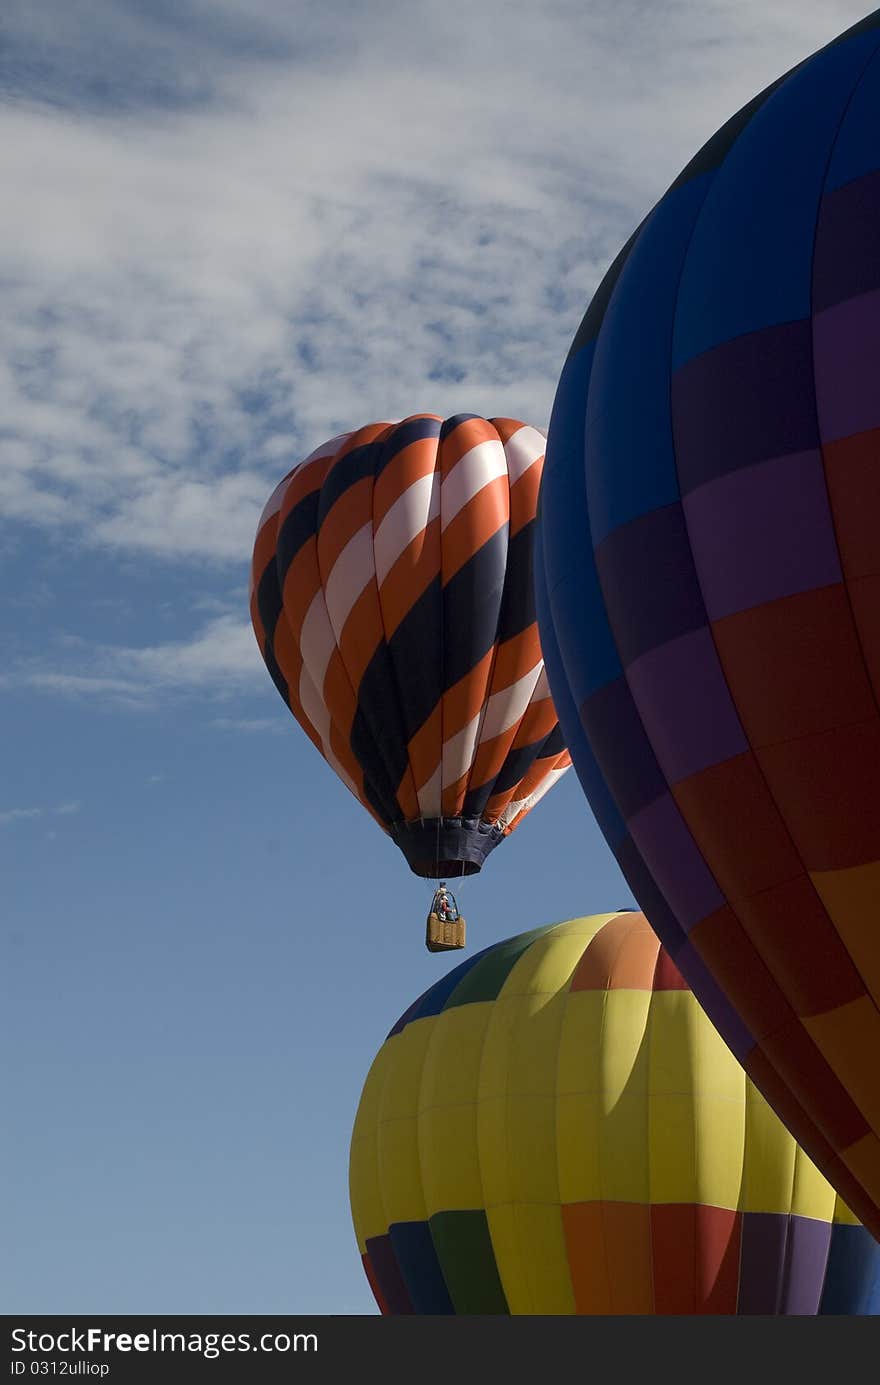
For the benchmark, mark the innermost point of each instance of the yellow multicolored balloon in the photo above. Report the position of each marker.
(557, 1128)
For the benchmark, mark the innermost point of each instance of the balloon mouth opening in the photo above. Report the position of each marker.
(446, 848)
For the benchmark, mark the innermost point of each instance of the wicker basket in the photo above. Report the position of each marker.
(444, 935)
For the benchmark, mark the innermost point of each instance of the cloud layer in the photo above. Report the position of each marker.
(239, 228)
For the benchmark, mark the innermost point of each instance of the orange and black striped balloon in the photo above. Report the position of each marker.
(392, 600)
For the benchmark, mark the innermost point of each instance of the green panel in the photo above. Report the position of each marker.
(484, 981)
(464, 1249)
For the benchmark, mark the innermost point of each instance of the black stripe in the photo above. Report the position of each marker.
(554, 744)
(471, 607)
(518, 601)
(299, 526)
(450, 424)
(376, 739)
(353, 467)
(269, 599)
(519, 762)
(414, 430)
(417, 656)
(275, 672)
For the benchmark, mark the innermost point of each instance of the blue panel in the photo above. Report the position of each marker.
(583, 634)
(562, 508)
(414, 1248)
(857, 151)
(629, 453)
(852, 1279)
(433, 1001)
(749, 264)
(610, 822)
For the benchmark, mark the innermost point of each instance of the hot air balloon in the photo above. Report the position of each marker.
(557, 1128)
(392, 599)
(710, 586)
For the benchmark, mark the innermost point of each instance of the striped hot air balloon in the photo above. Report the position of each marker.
(556, 1127)
(392, 600)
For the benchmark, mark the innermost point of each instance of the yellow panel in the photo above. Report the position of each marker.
(406, 1060)
(812, 1196)
(719, 1107)
(849, 1038)
(768, 1165)
(492, 1150)
(367, 1210)
(447, 1122)
(531, 1149)
(452, 1059)
(449, 1155)
(400, 1178)
(843, 1215)
(546, 967)
(851, 898)
(543, 1260)
(603, 1132)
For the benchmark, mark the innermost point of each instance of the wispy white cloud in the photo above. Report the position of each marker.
(18, 814)
(250, 725)
(219, 660)
(67, 809)
(299, 219)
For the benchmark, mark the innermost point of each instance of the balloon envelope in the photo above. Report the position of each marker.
(557, 1128)
(710, 588)
(392, 599)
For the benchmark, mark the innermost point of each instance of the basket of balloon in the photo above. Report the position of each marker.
(445, 928)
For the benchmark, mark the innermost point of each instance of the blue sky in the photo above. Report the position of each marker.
(232, 230)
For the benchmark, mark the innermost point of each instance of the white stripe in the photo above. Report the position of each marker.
(470, 474)
(524, 805)
(327, 449)
(349, 575)
(523, 449)
(316, 641)
(458, 753)
(542, 687)
(275, 501)
(316, 711)
(408, 516)
(429, 796)
(505, 708)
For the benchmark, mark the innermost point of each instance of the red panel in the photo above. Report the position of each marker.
(864, 593)
(801, 946)
(852, 472)
(811, 1081)
(737, 826)
(795, 666)
(737, 966)
(609, 1256)
(374, 1285)
(826, 789)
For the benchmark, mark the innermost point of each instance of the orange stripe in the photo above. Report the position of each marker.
(516, 657)
(424, 749)
(483, 515)
(462, 439)
(256, 622)
(465, 698)
(410, 576)
(506, 427)
(350, 513)
(301, 585)
(410, 465)
(524, 497)
(538, 721)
